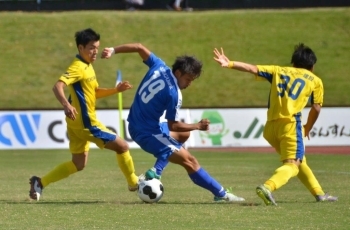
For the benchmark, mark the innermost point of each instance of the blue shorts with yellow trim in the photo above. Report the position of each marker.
(286, 137)
(79, 139)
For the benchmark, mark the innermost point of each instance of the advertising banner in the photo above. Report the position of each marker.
(228, 128)
(47, 129)
(244, 127)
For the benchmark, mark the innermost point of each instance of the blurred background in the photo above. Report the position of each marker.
(59, 5)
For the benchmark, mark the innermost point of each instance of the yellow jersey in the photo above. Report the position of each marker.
(291, 89)
(82, 83)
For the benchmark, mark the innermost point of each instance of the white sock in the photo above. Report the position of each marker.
(177, 3)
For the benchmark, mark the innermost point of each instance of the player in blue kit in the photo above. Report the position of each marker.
(159, 92)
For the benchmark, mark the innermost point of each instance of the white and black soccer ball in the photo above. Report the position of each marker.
(150, 191)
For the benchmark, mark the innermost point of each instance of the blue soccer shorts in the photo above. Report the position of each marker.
(159, 143)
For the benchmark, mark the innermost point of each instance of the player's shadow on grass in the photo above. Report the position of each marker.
(295, 201)
(62, 202)
(89, 202)
(196, 203)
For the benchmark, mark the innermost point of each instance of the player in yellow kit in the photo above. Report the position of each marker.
(82, 124)
(291, 89)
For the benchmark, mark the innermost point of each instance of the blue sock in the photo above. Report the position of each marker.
(204, 180)
(160, 165)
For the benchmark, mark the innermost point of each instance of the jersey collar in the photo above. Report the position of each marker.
(81, 59)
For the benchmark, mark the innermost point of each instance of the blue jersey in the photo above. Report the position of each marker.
(157, 93)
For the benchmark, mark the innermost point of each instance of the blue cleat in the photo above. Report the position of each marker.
(151, 174)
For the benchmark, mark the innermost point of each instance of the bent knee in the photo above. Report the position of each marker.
(123, 147)
(181, 137)
(79, 164)
(80, 167)
(119, 146)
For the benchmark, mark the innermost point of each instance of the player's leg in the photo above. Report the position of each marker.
(181, 137)
(105, 138)
(307, 177)
(162, 146)
(124, 160)
(174, 5)
(177, 5)
(201, 177)
(65, 169)
(157, 170)
(291, 147)
(79, 148)
(160, 164)
(288, 139)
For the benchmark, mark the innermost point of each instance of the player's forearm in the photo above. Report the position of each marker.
(313, 115)
(133, 48)
(182, 127)
(245, 67)
(103, 92)
(59, 93)
(127, 48)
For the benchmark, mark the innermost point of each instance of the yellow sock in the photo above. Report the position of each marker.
(270, 185)
(307, 177)
(60, 172)
(282, 176)
(126, 164)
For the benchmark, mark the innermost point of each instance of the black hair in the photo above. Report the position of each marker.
(303, 57)
(83, 37)
(188, 65)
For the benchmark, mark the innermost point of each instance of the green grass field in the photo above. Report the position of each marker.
(38, 47)
(97, 198)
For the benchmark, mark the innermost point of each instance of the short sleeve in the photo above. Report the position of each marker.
(153, 60)
(265, 72)
(73, 74)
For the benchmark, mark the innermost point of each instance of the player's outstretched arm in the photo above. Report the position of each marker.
(127, 48)
(221, 58)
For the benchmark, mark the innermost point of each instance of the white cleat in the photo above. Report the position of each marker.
(229, 197)
(36, 188)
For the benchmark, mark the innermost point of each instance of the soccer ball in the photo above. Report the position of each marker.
(150, 191)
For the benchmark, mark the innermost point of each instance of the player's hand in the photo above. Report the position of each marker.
(307, 132)
(122, 86)
(204, 124)
(70, 111)
(107, 52)
(221, 58)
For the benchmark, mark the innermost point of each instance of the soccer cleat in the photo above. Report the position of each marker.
(134, 188)
(326, 197)
(188, 9)
(265, 195)
(173, 7)
(151, 173)
(35, 188)
(229, 197)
